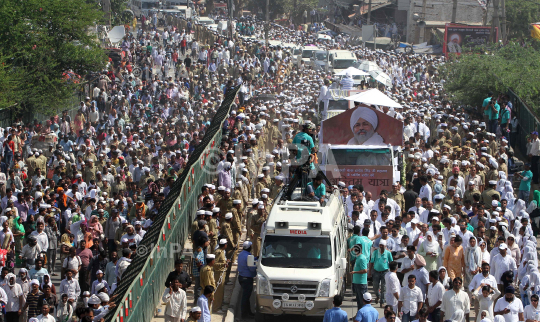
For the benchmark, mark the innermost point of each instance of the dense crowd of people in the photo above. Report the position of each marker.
(79, 193)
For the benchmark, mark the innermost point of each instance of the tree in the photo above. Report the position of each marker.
(519, 15)
(292, 8)
(42, 39)
(471, 76)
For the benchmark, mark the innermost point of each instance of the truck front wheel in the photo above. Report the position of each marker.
(260, 317)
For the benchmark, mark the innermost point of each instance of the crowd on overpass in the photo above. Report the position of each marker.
(79, 193)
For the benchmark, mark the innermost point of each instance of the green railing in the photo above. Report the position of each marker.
(528, 121)
(140, 290)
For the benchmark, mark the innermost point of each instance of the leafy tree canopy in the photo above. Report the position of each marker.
(40, 40)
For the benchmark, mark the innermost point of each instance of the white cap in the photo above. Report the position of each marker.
(246, 244)
(503, 246)
(228, 215)
(195, 309)
(223, 241)
(382, 242)
(367, 297)
(210, 256)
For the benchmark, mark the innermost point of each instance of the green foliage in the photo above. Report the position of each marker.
(42, 39)
(470, 76)
(519, 14)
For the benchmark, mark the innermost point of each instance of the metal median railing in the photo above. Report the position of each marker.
(142, 284)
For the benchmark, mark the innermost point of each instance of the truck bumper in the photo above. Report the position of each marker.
(265, 306)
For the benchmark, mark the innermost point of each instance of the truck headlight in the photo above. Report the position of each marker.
(263, 287)
(324, 288)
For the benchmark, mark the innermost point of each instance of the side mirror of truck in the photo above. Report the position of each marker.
(251, 260)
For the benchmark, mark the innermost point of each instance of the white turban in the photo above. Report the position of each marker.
(365, 113)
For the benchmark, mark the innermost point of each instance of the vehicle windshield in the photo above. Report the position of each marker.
(362, 156)
(206, 22)
(296, 252)
(307, 53)
(320, 56)
(149, 5)
(343, 63)
(296, 52)
(340, 105)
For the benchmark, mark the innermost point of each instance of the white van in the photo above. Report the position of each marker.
(319, 60)
(185, 11)
(305, 54)
(302, 261)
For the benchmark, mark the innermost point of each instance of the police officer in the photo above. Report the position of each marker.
(245, 277)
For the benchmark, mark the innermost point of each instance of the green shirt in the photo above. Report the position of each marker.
(366, 245)
(485, 103)
(381, 261)
(494, 115)
(360, 264)
(354, 240)
(298, 138)
(525, 185)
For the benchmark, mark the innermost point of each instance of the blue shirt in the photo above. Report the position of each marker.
(335, 314)
(243, 269)
(202, 302)
(367, 314)
(390, 244)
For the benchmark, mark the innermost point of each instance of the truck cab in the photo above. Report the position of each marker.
(319, 60)
(305, 54)
(339, 60)
(302, 261)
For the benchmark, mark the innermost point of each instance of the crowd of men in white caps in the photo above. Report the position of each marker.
(80, 206)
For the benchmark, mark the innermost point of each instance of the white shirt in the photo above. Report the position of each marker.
(481, 279)
(453, 301)
(392, 286)
(435, 293)
(406, 263)
(12, 295)
(71, 288)
(535, 147)
(48, 318)
(410, 299)
(500, 264)
(425, 191)
(176, 303)
(515, 308)
(42, 239)
(531, 313)
(466, 238)
(413, 234)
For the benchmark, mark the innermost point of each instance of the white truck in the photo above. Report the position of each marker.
(302, 261)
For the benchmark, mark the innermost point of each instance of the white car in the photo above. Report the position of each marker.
(205, 21)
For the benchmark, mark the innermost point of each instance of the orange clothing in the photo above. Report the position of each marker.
(454, 261)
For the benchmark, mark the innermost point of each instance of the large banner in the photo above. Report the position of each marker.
(362, 126)
(373, 178)
(461, 39)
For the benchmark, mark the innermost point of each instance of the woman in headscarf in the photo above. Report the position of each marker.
(47, 281)
(519, 206)
(473, 260)
(18, 233)
(444, 279)
(524, 275)
(29, 226)
(513, 248)
(484, 254)
(430, 250)
(95, 227)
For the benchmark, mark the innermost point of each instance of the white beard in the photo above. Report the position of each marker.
(361, 138)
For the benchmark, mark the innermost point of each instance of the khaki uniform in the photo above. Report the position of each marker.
(468, 195)
(226, 233)
(225, 205)
(212, 226)
(398, 198)
(258, 187)
(256, 225)
(89, 174)
(220, 266)
(274, 190)
(207, 278)
(486, 197)
(236, 225)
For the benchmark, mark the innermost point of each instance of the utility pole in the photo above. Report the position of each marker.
(410, 21)
(503, 21)
(423, 28)
(454, 11)
(267, 22)
(369, 13)
(494, 21)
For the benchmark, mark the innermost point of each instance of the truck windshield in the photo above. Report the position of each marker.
(320, 56)
(362, 156)
(340, 105)
(296, 252)
(343, 63)
(306, 53)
